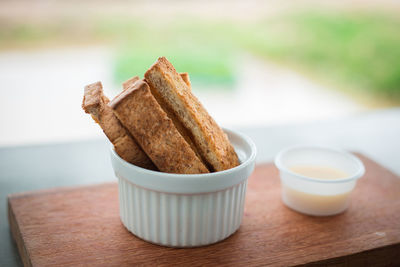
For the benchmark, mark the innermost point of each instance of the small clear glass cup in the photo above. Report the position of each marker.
(314, 196)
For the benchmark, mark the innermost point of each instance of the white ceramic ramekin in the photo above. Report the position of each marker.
(181, 210)
(312, 196)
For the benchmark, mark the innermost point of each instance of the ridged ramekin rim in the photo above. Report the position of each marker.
(241, 166)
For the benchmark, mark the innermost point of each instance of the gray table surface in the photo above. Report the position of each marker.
(375, 134)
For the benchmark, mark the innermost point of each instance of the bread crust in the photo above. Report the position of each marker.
(95, 103)
(128, 83)
(208, 137)
(140, 113)
(186, 79)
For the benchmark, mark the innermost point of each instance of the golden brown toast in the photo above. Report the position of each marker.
(140, 113)
(170, 113)
(178, 124)
(95, 103)
(210, 140)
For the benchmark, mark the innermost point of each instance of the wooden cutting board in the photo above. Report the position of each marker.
(81, 226)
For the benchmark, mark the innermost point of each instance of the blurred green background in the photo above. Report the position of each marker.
(355, 51)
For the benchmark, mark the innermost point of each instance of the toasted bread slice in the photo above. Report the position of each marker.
(178, 124)
(95, 103)
(170, 113)
(210, 140)
(140, 113)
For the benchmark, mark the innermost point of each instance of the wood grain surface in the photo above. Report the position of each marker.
(81, 226)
